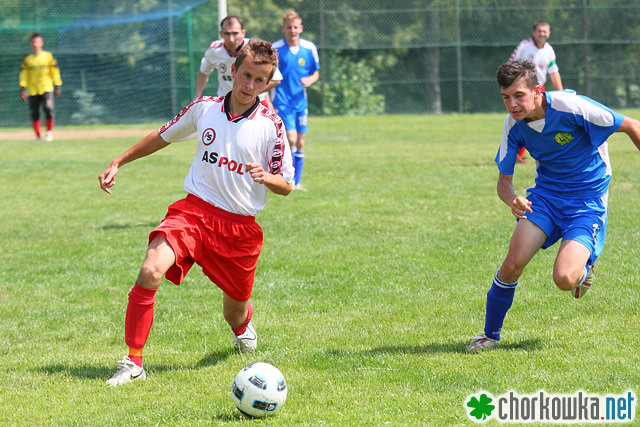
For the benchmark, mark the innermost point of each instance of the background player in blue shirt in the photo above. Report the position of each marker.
(567, 135)
(299, 64)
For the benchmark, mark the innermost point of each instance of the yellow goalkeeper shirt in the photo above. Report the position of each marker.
(39, 73)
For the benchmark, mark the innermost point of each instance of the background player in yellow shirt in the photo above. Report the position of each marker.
(39, 78)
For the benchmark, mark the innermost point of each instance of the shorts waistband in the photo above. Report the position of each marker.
(213, 210)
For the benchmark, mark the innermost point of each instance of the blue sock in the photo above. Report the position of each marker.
(298, 164)
(499, 300)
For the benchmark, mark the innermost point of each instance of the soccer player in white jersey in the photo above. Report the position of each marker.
(242, 153)
(299, 64)
(567, 135)
(221, 55)
(541, 54)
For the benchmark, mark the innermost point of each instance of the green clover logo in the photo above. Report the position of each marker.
(482, 407)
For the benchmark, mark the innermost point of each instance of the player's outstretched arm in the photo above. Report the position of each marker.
(147, 145)
(632, 128)
(275, 183)
(518, 204)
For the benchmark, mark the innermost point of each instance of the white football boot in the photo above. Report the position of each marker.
(582, 288)
(247, 341)
(48, 136)
(127, 373)
(481, 342)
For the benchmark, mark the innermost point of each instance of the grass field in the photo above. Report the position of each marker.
(367, 289)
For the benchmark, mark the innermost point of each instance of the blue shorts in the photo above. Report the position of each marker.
(294, 120)
(584, 221)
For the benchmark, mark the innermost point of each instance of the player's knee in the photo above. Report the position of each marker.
(511, 270)
(150, 275)
(565, 280)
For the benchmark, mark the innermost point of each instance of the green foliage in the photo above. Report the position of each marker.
(351, 88)
(367, 288)
(89, 111)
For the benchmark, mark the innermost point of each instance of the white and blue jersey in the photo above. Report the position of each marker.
(569, 199)
(569, 145)
(294, 65)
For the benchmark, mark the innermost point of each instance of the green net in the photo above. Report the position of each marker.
(136, 61)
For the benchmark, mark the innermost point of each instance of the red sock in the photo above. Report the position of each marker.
(36, 127)
(139, 319)
(50, 123)
(521, 151)
(242, 328)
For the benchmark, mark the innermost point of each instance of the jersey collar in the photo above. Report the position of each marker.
(226, 107)
(240, 46)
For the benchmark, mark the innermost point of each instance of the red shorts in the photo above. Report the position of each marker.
(224, 244)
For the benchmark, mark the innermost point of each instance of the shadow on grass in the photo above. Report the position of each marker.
(105, 372)
(129, 226)
(436, 348)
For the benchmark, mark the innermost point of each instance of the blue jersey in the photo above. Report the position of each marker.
(290, 94)
(569, 145)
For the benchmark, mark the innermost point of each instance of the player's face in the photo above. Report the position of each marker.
(520, 100)
(36, 43)
(249, 80)
(232, 34)
(292, 30)
(541, 34)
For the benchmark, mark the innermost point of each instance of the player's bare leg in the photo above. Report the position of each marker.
(526, 240)
(238, 315)
(570, 268)
(160, 257)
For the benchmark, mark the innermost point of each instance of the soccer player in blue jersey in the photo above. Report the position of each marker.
(567, 135)
(299, 64)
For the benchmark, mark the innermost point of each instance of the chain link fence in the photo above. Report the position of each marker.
(124, 62)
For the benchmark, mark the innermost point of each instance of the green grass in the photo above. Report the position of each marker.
(367, 288)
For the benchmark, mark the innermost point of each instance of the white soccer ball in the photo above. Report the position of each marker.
(259, 390)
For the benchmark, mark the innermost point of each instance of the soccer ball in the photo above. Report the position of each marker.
(259, 390)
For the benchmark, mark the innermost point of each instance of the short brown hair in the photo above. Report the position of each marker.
(540, 23)
(261, 52)
(509, 72)
(232, 18)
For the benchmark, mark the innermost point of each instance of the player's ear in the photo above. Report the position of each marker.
(538, 89)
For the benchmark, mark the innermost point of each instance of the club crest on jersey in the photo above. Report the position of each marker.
(208, 136)
(223, 68)
(563, 138)
(301, 62)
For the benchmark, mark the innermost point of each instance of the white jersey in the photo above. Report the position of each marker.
(543, 58)
(218, 57)
(225, 144)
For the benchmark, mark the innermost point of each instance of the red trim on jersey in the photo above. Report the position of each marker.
(185, 109)
(216, 44)
(249, 114)
(275, 163)
(240, 46)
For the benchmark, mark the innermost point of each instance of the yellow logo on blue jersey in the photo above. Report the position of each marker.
(563, 138)
(301, 62)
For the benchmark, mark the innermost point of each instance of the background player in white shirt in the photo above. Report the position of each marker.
(537, 51)
(567, 134)
(221, 54)
(242, 151)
